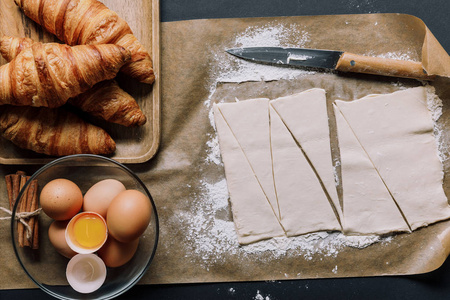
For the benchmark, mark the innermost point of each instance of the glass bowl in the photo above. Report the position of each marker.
(46, 267)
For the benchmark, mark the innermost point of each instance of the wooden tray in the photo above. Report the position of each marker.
(134, 145)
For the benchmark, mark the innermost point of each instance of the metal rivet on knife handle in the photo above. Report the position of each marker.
(349, 62)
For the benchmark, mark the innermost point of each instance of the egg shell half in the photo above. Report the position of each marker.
(115, 254)
(56, 235)
(61, 199)
(128, 215)
(100, 195)
(86, 273)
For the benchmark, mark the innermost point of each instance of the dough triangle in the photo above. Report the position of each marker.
(305, 115)
(368, 208)
(396, 130)
(249, 122)
(253, 216)
(304, 206)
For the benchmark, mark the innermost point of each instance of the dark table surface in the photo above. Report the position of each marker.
(434, 285)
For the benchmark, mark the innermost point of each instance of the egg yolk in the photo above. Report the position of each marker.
(89, 231)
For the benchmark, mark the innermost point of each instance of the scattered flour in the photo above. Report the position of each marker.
(227, 68)
(210, 228)
(336, 163)
(395, 55)
(434, 104)
(260, 297)
(335, 270)
(213, 152)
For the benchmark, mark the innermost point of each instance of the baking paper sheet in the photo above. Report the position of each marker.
(186, 177)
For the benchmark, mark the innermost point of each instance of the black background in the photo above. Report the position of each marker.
(434, 285)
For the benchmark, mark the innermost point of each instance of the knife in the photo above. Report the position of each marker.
(333, 60)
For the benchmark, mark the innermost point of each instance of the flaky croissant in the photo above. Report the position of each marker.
(49, 74)
(53, 131)
(90, 22)
(105, 100)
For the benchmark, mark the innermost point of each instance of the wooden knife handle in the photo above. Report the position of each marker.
(349, 62)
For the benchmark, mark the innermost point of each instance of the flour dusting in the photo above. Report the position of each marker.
(435, 104)
(408, 55)
(227, 68)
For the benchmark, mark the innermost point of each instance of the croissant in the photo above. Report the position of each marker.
(50, 74)
(53, 131)
(105, 100)
(90, 22)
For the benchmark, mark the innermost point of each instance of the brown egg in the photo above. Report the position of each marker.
(61, 199)
(115, 254)
(56, 235)
(100, 195)
(128, 215)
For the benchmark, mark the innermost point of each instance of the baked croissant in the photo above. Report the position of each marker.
(50, 74)
(105, 100)
(90, 22)
(53, 131)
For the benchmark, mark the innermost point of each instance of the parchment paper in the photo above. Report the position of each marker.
(177, 176)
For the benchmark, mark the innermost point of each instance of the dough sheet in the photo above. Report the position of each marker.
(281, 177)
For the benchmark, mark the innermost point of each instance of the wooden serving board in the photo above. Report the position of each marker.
(134, 145)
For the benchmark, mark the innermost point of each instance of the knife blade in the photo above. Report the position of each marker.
(332, 60)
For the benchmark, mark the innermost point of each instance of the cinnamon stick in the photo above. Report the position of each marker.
(33, 205)
(21, 229)
(15, 188)
(36, 233)
(8, 180)
(36, 218)
(28, 235)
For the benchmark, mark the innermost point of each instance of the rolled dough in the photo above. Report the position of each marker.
(253, 216)
(249, 122)
(303, 203)
(368, 208)
(305, 115)
(396, 131)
